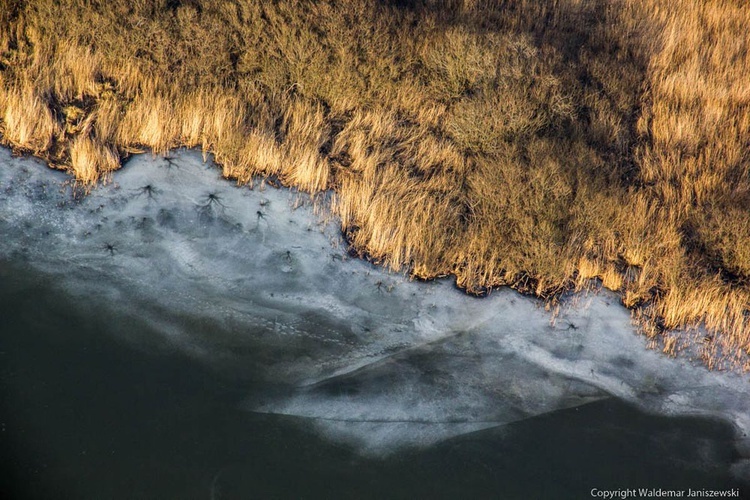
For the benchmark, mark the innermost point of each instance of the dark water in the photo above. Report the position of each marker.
(84, 414)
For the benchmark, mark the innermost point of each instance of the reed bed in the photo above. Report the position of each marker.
(534, 144)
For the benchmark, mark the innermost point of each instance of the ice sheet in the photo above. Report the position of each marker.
(257, 280)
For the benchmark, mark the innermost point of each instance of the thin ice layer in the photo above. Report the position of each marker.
(251, 279)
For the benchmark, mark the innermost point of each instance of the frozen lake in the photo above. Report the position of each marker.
(173, 335)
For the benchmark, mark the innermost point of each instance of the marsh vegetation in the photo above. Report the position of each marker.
(530, 144)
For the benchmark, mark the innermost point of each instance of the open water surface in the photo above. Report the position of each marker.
(87, 415)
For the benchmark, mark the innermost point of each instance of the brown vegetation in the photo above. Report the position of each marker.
(523, 143)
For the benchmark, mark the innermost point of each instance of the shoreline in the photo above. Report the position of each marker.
(666, 341)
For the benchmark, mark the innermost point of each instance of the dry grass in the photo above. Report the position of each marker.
(531, 144)
(91, 160)
(27, 122)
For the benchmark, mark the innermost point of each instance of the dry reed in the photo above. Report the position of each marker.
(532, 144)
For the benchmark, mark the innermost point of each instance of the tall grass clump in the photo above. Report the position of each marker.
(538, 145)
